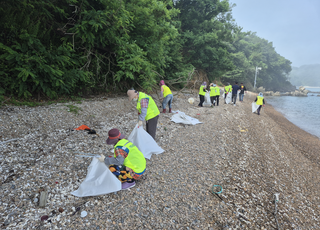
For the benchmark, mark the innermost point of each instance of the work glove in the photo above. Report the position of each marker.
(101, 158)
(139, 123)
(263, 105)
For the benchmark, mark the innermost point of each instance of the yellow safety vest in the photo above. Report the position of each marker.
(217, 89)
(152, 110)
(135, 159)
(166, 90)
(227, 88)
(212, 92)
(201, 91)
(259, 100)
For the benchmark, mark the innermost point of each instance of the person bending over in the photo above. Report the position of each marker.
(128, 163)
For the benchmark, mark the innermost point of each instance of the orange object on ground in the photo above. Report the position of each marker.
(83, 127)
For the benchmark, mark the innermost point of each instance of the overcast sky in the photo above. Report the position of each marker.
(293, 26)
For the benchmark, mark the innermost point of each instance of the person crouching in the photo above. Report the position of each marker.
(128, 163)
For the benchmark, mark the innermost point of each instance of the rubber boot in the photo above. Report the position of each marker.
(170, 110)
(164, 111)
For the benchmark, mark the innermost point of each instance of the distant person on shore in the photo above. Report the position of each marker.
(260, 101)
(242, 90)
(128, 163)
(217, 89)
(212, 94)
(235, 89)
(147, 110)
(166, 95)
(202, 93)
(227, 89)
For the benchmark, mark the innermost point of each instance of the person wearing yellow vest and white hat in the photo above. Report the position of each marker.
(213, 94)
(166, 95)
(260, 101)
(202, 93)
(147, 110)
(128, 163)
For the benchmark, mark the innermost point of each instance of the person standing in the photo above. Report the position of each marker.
(235, 89)
(202, 93)
(217, 92)
(227, 89)
(147, 110)
(166, 95)
(128, 163)
(212, 94)
(260, 101)
(242, 90)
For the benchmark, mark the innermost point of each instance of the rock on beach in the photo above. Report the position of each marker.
(252, 157)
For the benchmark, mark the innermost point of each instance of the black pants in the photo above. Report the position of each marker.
(217, 100)
(258, 110)
(212, 99)
(201, 100)
(234, 98)
(151, 126)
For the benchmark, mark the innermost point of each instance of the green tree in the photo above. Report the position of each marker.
(206, 26)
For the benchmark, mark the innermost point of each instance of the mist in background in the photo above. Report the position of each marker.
(293, 26)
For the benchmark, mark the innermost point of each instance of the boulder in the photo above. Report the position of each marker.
(261, 89)
(268, 93)
(301, 88)
(277, 94)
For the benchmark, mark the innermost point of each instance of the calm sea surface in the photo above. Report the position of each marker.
(304, 112)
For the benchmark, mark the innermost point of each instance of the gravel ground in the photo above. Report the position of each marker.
(252, 157)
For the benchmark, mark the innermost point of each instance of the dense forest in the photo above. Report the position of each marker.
(71, 47)
(306, 75)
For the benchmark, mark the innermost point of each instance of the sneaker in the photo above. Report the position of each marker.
(127, 185)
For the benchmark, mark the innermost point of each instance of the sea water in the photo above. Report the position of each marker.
(304, 112)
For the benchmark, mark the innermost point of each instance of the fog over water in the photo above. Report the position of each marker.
(301, 111)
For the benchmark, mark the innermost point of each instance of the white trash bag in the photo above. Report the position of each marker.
(145, 143)
(228, 98)
(181, 117)
(99, 181)
(254, 107)
(207, 100)
(191, 100)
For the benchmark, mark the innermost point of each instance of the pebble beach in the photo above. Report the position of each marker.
(251, 157)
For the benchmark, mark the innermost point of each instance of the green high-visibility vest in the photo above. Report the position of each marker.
(135, 159)
(152, 110)
(259, 100)
(212, 91)
(217, 90)
(201, 91)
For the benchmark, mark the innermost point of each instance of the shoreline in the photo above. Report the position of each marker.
(252, 157)
(306, 142)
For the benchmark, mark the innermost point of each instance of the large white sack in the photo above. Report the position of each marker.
(207, 99)
(228, 98)
(145, 143)
(181, 117)
(99, 181)
(254, 107)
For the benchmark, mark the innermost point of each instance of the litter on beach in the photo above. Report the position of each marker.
(181, 117)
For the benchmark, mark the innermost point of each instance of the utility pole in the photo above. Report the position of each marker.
(255, 76)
